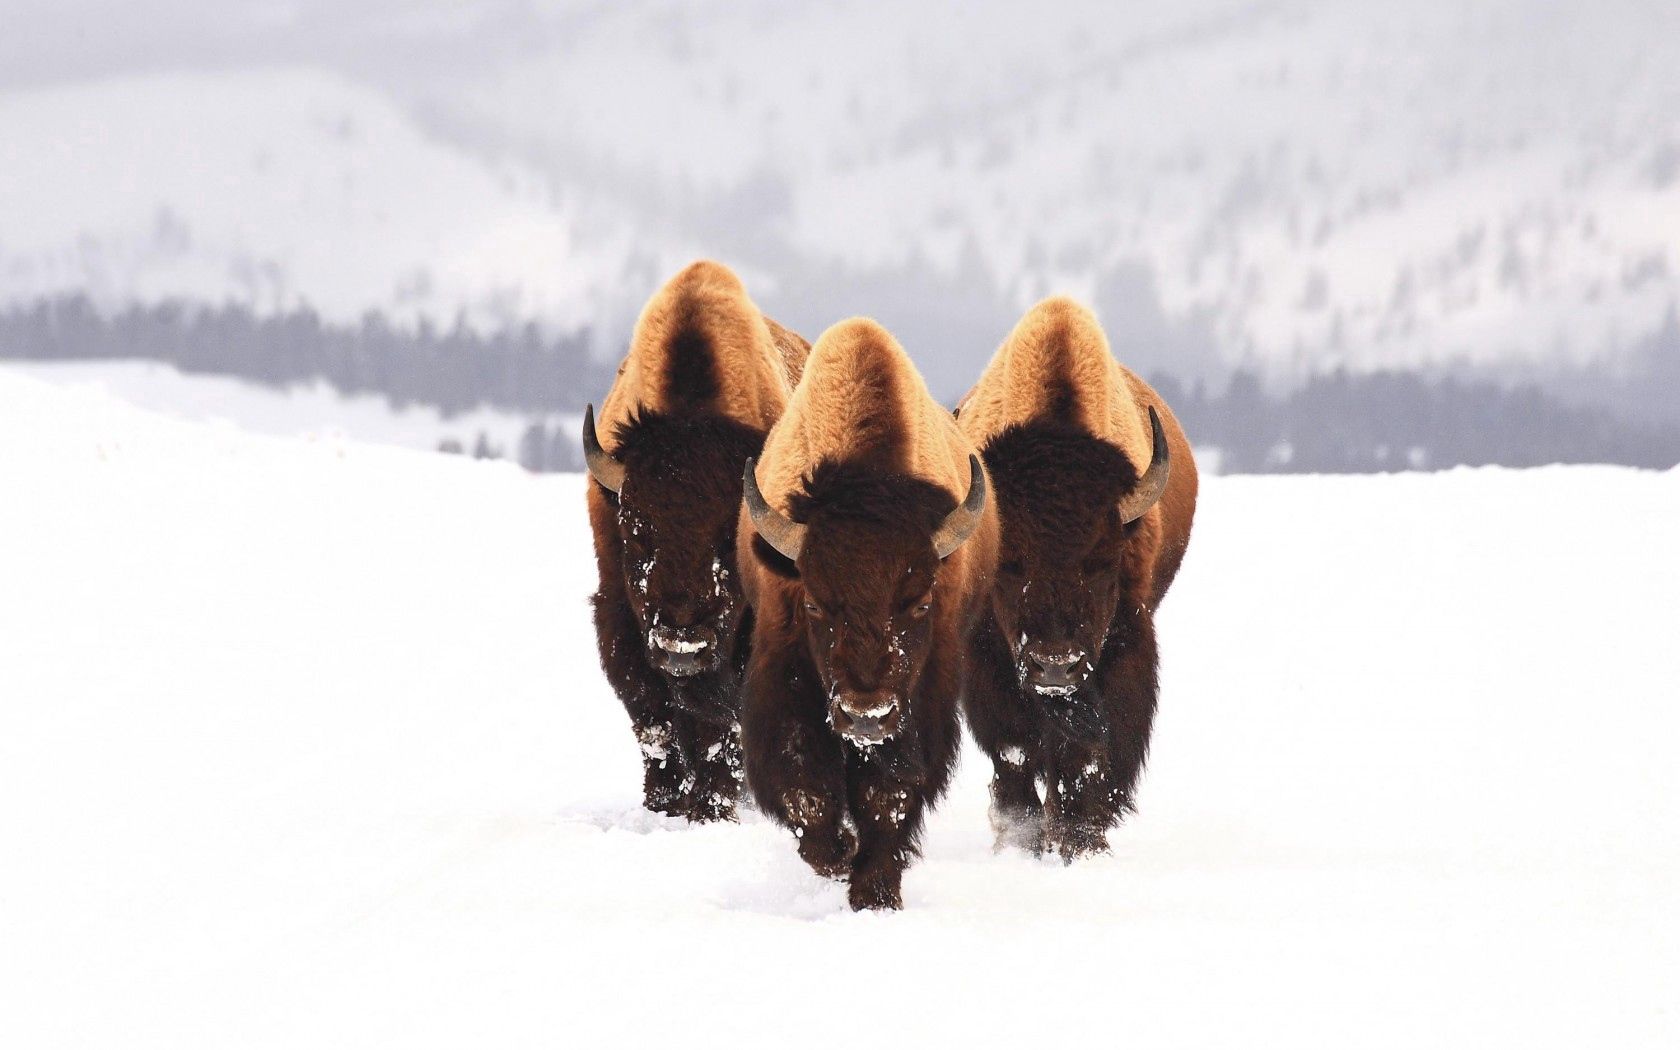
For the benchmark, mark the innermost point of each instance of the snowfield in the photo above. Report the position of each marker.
(309, 410)
(305, 744)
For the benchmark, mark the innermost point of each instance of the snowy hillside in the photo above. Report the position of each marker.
(1302, 184)
(304, 744)
(277, 188)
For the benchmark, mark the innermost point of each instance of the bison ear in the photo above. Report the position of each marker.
(773, 560)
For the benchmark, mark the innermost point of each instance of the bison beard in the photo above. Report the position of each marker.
(856, 808)
(1074, 574)
(665, 550)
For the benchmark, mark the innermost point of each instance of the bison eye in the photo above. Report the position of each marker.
(813, 610)
(921, 610)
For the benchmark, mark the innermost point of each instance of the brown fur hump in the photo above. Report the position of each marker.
(1056, 366)
(702, 346)
(862, 400)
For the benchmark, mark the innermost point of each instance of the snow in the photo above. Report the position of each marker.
(1296, 186)
(306, 744)
(311, 410)
(1319, 183)
(279, 187)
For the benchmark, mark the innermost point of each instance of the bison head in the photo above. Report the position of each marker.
(676, 482)
(1068, 501)
(865, 548)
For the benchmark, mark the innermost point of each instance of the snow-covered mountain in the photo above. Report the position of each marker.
(1300, 183)
(286, 187)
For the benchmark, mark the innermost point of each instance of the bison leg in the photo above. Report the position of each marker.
(888, 812)
(890, 786)
(664, 777)
(712, 756)
(646, 698)
(1130, 690)
(793, 762)
(1093, 783)
(1081, 802)
(1007, 731)
(1016, 813)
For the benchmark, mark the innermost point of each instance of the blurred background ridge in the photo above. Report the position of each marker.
(1345, 236)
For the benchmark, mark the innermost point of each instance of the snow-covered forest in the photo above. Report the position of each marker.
(518, 394)
(1485, 192)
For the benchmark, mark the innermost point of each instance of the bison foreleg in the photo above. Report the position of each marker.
(1130, 689)
(647, 700)
(1093, 784)
(1080, 801)
(1006, 728)
(793, 762)
(888, 813)
(712, 757)
(664, 776)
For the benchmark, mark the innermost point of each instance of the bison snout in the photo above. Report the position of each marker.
(867, 718)
(1054, 670)
(684, 651)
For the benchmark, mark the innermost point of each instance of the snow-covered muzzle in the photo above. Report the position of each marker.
(684, 652)
(866, 719)
(1055, 628)
(686, 600)
(869, 654)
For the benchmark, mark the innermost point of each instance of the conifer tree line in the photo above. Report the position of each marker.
(1339, 422)
(520, 369)
(1345, 423)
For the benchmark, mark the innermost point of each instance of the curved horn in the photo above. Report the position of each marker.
(1154, 481)
(788, 537)
(960, 524)
(602, 467)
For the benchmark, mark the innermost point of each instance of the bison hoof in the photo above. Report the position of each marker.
(875, 893)
(665, 801)
(1018, 828)
(709, 809)
(829, 855)
(666, 807)
(1070, 842)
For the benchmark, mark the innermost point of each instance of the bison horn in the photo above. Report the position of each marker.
(1154, 481)
(960, 524)
(788, 537)
(602, 467)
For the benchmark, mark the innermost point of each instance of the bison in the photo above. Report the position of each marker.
(706, 376)
(867, 545)
(1096, 488)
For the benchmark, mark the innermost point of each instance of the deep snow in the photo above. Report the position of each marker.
(305, 744)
